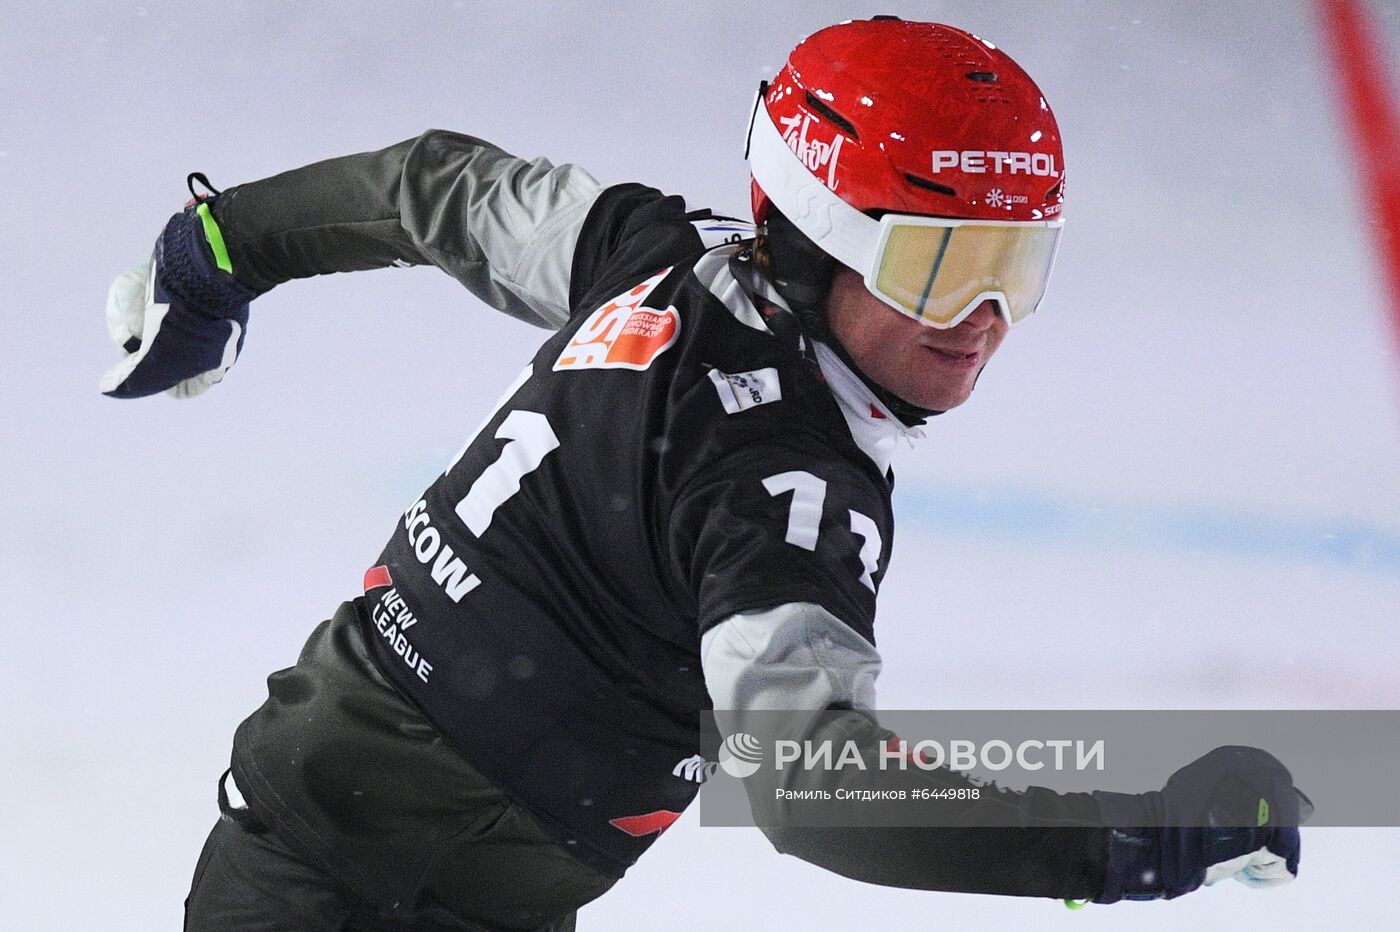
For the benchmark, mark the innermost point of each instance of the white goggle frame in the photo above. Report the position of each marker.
(853, 238)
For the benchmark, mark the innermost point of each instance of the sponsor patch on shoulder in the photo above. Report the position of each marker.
(716, 231)
(739, 391)
(622, 334)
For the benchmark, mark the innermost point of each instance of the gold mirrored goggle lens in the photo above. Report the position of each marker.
(934, 273)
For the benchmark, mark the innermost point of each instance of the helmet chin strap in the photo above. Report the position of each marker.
(909, 414)
(796, 266)
(802, 273)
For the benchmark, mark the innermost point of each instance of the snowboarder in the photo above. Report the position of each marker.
(682, 502)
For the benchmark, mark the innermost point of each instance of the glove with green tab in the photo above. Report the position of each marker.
(182, 317)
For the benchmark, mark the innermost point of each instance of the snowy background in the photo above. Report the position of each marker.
(1176, 487)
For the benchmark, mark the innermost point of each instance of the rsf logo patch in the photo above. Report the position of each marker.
(622, 334)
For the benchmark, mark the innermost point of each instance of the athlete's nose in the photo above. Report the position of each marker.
(981, 319)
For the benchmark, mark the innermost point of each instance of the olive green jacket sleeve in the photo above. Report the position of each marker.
(798, 658)
(504, 227)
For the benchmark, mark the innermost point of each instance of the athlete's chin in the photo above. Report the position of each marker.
(939, 397)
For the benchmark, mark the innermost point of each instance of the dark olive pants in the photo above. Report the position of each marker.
(357, 816)
(249, 880)
(252, 882)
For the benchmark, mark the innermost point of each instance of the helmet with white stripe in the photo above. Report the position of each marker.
(917, 154)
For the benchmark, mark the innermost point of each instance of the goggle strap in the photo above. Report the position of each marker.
(841, 231)
(753, 115)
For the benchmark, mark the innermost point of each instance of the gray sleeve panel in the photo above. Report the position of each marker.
(504, 227)
(796, 656)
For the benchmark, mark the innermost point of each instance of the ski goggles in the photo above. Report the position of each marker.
(935, 270)
(939, 271)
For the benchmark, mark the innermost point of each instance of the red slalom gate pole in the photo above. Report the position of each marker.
(1367, 97)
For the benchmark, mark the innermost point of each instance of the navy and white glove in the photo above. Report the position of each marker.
(1232, 813)
(182, 317)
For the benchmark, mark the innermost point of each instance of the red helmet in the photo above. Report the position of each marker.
(918, 155)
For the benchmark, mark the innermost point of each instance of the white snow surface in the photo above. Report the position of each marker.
(1176, 487)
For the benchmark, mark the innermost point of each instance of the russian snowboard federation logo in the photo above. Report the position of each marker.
(740, 755)
(739, 391)
(622, 334)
